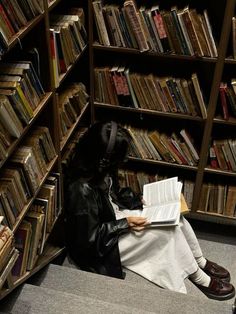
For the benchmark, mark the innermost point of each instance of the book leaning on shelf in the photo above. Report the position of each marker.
(8, 253)
(163, 202)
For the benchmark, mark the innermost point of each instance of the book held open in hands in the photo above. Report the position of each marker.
(163, 202)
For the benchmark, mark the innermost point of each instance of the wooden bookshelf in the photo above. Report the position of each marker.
(30, 43)
(211, 71)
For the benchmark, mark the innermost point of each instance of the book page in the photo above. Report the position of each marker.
(162, 192)
(162, 201)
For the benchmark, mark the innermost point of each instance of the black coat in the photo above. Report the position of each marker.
(92, 228)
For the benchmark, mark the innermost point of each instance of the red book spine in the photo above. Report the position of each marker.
(223, 101)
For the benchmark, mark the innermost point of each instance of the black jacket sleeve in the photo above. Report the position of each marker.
(85, 221)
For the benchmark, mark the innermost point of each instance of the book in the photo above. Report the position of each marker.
(160, 27)
(234, 36)
(209, 34)
(223, 101)
(230, 205)
(22, 244)
(199, 95)
(189, 141)
(162, 202)
(100, 23)
(9, 118)
(36, 220)
(40, 205)
(8, 268)
(133, 15)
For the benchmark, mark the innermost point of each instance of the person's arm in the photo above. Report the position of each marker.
(83, 221)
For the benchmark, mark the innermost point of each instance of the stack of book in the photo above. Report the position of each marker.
(222, 154)
(219, 199)
(15, 15)
(33, 231)
(181, 31)
(162, 147)
(71, 102)
(22, 177)
(8, 253)
(118, 86)
(68, 39)
(20, 95)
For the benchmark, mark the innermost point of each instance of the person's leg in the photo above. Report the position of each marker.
(211, 268)
(192, 242)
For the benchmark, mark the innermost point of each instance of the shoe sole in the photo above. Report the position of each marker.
(213, 296)
(219, 298)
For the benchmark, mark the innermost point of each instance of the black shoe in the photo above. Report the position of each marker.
(216, 271)
(217, 290)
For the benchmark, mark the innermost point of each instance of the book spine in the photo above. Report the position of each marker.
(161, 30)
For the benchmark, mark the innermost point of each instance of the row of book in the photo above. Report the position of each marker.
(117, 85)
(20, 94)
(71, 102)
(159, 146)
(181, 31)
(8, 254)
(15, 15)
(32, 233)
(218, 199)
(228, 99)
(68, 38)
(222, 154)
(136, 180)
(24, 173)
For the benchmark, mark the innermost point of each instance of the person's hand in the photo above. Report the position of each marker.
(137, 223)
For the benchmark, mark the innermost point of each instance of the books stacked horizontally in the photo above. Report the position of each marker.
(162, 147)
(118, 86)
(20, 95)
(22, 177)
(31, 235)
(162, 202)
(68, 39)
(136, 180)
(218, 199)
(222, 154)
(8, 253)
(181, 31)
(15, 15)
(72, 100)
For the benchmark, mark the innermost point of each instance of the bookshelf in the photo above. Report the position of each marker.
(84, 59)
(113, 51)
(49, 39)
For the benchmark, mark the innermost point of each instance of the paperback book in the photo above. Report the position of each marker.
(163, 202)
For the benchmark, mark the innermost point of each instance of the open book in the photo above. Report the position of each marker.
(162, 202)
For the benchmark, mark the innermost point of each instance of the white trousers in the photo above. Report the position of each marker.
(163, 255)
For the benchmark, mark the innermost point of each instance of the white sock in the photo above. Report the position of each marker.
(201, 261)
(201, 278)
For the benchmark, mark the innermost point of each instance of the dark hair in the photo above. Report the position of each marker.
(92, 149)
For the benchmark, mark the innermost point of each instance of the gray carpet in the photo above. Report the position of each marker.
(65, 289)
(215, 247)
